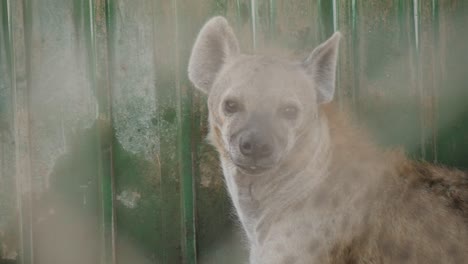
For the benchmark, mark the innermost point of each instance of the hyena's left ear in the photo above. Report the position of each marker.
(215, 45)
(321, 67)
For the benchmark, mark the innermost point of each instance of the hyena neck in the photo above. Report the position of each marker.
(330, 150)
(350, 144)
(261, 196)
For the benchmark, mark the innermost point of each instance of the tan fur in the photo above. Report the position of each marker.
(421, 211)
(327, 193)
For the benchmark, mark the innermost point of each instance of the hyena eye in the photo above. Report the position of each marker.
(289, 112)
(231, 106)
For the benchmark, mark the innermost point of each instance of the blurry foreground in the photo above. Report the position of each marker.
(102, 157)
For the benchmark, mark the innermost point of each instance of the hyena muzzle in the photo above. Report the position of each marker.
(307, 185)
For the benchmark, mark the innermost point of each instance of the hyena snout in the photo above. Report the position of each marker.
(255, 145)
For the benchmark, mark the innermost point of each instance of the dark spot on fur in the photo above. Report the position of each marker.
(308, 225)
(454, 253)
(319, 198)
(289, 259)
(451, 189)
(355, 174)
(387, 247)
(418, 212)
(343, 253)
(313, 246)
(289, 233)
(422, 170)
(366, 219)
(336, 202)
(346, 190)
(457, 203)
(404, 254)
(345, 224)
(359, 201)
(434, 233)
(299, 206)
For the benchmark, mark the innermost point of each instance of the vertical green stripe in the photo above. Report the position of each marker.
(185, 159)
(436, 73)
(335, 15)
(161, 97)
(415, 11)
(184, 142)
(179, 138)
(7, 29)
(272, 23)
(253, 18)
(158, 169)
(19, 62)
(435, 23)
(325, 19)
(402, 22)
(24, 254)
(161, 246)
(167, 104)
(27, 208)
(98, 62)
(355, 56)
(320, 21)
(238, 13)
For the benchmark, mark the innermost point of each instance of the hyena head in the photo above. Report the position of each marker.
(259, 106)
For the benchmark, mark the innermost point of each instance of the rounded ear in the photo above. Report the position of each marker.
(320, 65)
(215, 44)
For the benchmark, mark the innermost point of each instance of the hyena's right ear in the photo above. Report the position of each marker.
(215, 44)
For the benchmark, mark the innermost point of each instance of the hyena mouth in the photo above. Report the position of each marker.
(252, 169)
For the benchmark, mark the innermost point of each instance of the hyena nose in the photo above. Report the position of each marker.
(255, 147)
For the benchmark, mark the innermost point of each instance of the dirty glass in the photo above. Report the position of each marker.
(102, 150)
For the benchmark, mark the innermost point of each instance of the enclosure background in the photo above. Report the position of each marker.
(102, 151)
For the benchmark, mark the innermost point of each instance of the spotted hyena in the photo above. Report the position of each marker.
(307, 185)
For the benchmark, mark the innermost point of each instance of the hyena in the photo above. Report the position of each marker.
(308, 185)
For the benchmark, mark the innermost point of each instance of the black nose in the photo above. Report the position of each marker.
(255, 146)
